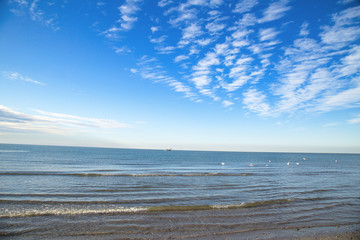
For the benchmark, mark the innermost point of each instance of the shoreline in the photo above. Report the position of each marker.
(353, 235)
(344, 232)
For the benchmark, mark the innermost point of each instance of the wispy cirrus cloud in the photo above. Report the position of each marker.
(276, 10)
(355, 120)
(127, 14)
(345, 25)
(304, 31)
(255, 101)
(181, 58)
(215, 27)
(39, 11)
(244, 6)
(127, 19)
(149, 68)
(313, 72)
(52, 123)
(19, 77)
(122, 50)
(267, 34)
(227, 103)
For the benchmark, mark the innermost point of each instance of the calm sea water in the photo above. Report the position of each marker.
(96, 193)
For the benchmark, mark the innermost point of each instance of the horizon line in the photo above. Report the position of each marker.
(174, 149)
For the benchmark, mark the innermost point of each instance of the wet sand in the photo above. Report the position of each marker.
(342, 236)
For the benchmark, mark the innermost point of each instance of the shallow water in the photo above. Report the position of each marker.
(60, 192)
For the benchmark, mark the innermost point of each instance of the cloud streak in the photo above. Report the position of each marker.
(149, 68)
(52, 123)
(127, 14)
(18, 77)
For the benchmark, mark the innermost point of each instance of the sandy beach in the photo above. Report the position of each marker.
(341, 236)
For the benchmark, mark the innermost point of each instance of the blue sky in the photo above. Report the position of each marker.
(244, 75)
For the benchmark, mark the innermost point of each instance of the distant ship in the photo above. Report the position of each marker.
(168, 149)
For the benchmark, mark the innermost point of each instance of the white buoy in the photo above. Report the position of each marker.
(297, 163)
(251, 165)
(269, 161)
(288, 163)
(304, 159)
(223, 163)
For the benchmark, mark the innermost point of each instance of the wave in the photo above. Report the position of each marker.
(205, 174)
(13, 151)
(64, 211)
(68, 210)
(215, 207)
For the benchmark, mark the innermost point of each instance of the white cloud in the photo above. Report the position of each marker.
(113, 32)
(150, 69)
(154, 29)
(53, 123)
(227, 103)
(184, 14)
(122, 50)
(20, 2)
(204, 42)
(267, 34)
(18, 7)
(344, 99)
(181, 87)
(210, 59)
(192, 31)
(244, 6)
(158, 40)
(255, 101)
(247, 20)
(307, 75)
(354, 120)
(127, 14)
(216, 3)
(348, 34)
(345, 1)
(241, 43)
(76, 121)
(240, 73)
(36, 12)
(304, 31)
(201, 81)
(196, 2)
(214, 14)
(351, 62)
(236, 84)
(342, 27)
(165, 49)
(215, 27)
(275, 11)
(241, 34)
(17, 76)
(181, 58)
(164, 3)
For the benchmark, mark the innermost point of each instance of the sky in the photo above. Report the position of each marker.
(225, 75)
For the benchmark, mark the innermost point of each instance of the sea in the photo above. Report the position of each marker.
(53, 192)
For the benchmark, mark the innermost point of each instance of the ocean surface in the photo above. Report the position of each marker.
(49, 192)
